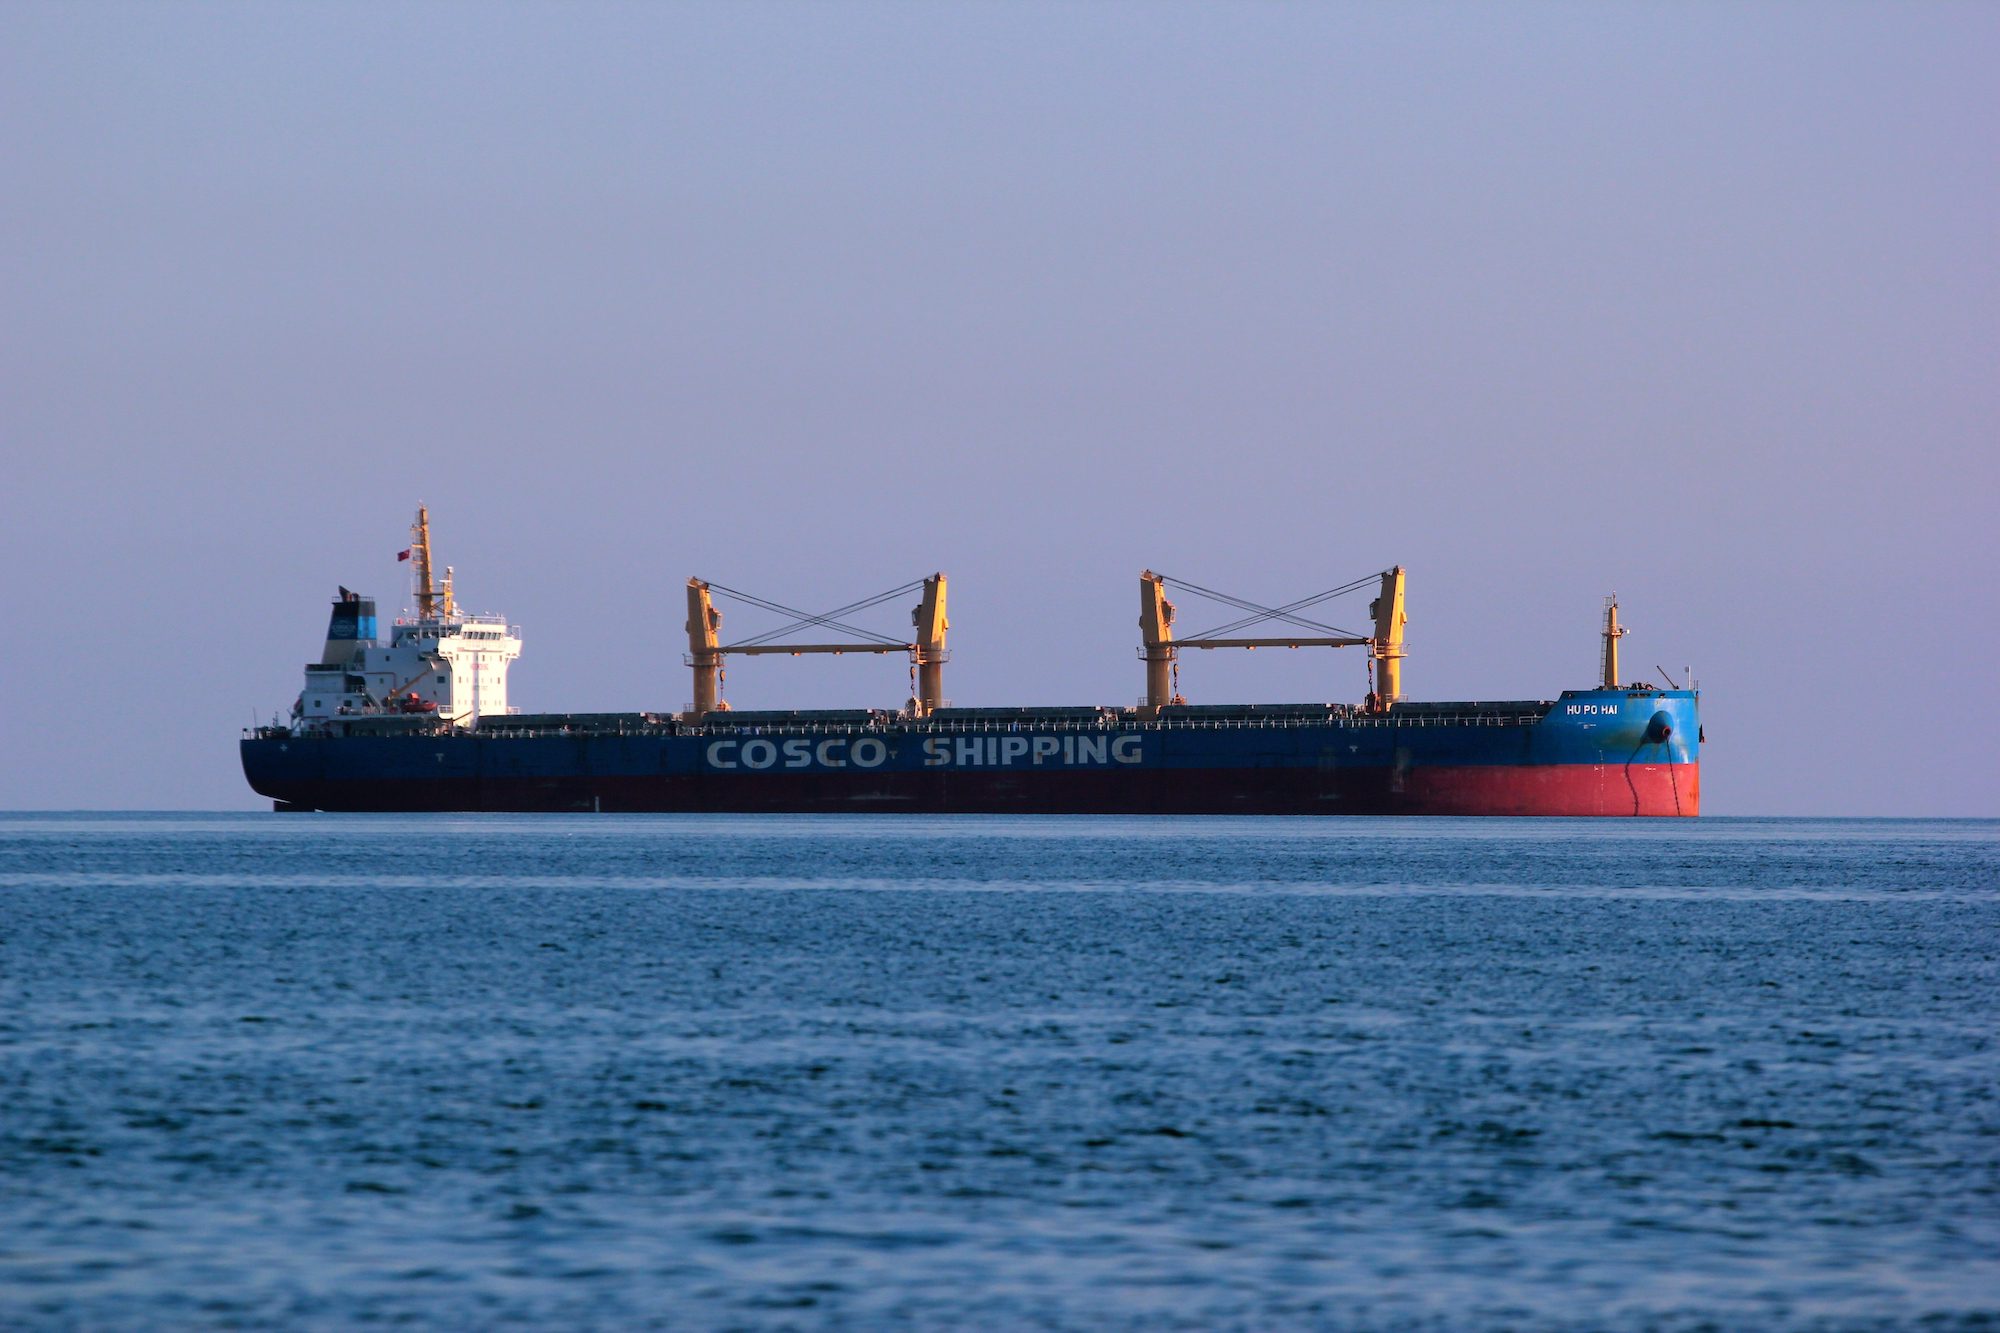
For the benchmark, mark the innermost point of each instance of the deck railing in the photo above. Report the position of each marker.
(923, 726)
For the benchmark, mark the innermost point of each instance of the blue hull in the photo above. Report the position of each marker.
(1597, 752)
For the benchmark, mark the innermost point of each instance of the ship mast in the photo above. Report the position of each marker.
(420, 545)
(1613, 632)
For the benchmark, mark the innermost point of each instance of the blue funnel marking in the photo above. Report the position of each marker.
(353, 618)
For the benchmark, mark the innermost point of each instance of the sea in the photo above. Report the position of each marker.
(887, 1072)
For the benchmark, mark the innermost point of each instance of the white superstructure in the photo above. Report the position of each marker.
(438, 664)
(455, 669)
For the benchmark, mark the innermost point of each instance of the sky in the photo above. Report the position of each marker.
(1694, 303)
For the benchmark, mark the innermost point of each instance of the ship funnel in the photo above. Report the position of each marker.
(349, 628)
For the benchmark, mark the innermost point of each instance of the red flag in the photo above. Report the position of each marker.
(403, 554)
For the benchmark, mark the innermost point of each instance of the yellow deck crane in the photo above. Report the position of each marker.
(927, 653)
(1162, 652)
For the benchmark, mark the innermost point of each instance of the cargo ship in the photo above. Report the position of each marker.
(419, 721)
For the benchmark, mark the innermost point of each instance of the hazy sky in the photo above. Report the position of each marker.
(1697, 303)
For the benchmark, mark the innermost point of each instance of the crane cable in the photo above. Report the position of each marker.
(1264, 613)
(803, 619)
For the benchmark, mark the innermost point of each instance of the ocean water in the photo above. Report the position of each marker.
(883, 1072)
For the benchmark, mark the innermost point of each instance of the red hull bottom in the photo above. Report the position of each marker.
(1576, 790)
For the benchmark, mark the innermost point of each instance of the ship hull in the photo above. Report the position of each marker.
(1590, 754)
